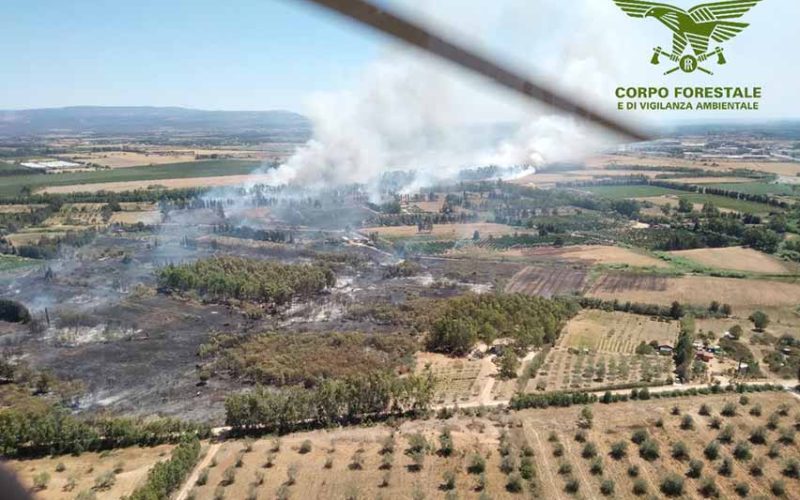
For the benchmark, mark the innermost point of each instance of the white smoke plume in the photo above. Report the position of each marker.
(411, 112)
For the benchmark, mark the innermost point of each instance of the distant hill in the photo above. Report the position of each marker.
(148, 120)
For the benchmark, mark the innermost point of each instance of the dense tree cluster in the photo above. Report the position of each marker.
(684, 350)
(13, 312)
(343, 401)
(226, 278)
(52, 430)
(165, 477)
(455, 325)
(420, 219)
(289, 358)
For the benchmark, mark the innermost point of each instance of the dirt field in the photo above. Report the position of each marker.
(18, 209)
(158, 156)
(83, 471)
(117, 187)
(444, 231)
(548, 281)
(743, 295)
(735, 258)
(611, 255)
(544, 430)
(610, 161)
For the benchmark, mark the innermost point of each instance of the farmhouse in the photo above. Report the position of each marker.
(665, 349)
(705, 356)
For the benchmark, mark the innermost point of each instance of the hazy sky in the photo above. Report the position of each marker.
(266, 54)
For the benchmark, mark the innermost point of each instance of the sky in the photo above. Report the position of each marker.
(288, 54)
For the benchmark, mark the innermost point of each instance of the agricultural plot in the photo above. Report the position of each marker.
(645, 192)
(359, 463)
(742, 295)
(566, 370)
(598, 349)
(548, 281)
(457, 380)
(107, 475)
(444, 231)
(735, 258)
(608, 461)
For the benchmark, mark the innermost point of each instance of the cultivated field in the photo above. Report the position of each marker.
(743, 295)
(597, 349)
(735, 258)
(548, 281)
(90, 472)
(610, 255)
(353, 463)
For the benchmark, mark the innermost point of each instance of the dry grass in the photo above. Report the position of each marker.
(735, 258)
(743, 295)
(19, 209)
(612, 255)
(85, 468)
(445, 231)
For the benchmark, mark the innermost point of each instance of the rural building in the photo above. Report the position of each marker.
(665, 349)
(705, 356)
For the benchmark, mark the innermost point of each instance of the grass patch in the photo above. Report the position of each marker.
(12, 263)
(758, 188)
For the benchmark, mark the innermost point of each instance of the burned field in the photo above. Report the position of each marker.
(549, 281)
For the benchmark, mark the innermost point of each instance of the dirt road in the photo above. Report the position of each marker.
(187, 486)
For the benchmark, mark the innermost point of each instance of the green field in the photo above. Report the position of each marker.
(759, 188)
(622, 192)
(11, 185)
(12, 262)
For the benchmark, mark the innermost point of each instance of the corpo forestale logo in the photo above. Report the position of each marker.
(694, 30)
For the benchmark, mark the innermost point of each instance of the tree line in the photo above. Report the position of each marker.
(342, 401)
(52, 430)
(225, 278)
(165, 477)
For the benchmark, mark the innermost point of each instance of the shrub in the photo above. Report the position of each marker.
(305, 447)
(726, 434)
(705, 410)
(757, 468)
(676, 410)
(596, 467)
(449, 480)
(41, 480)
(649, 450)
(86, 495)
(239, 460)
(756, 410)
(742, 451)
(228, 476)
(580, 436)
(619, 450)
(388, 444)
(744, 400)
(726, 468)
(202, 478)
(477, 464)
(329, 463)
(565, 468)
(607, 487)
(514, 483)
(708, 488)
(672, 485)
(276, 445)
(773, 421)
(639, 436)
(728, 409)
(792, 468)
(446, 443)
(589, 450)
(507, 464)
(758, 435)
(481, 482)
(639, 487)
(786, 435)
(526, 468)
(105, 481)
(385, 479)
(711, 451)
(558, 450)
(778, 488)
(270, 460)
(774, 451)
(715, 422)
(248, 445)
(695, 468)
(291, 474)
(572, 485)
(633, 470)
(60, 467)
(687, 423)
(680, 451)
(742, 489)
(357, 461)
